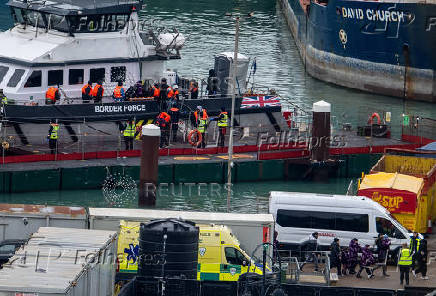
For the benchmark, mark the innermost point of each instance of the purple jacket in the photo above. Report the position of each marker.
(383, 245)
(353, 250)
(367, 258)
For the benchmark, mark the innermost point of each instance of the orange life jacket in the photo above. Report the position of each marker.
(174, 109)
(203, 117)
(95, 90)
(117, 92)
(156, 92)
(86, 89)
(170, 93)
(51, 93)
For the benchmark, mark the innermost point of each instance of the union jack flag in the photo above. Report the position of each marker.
(260, 102)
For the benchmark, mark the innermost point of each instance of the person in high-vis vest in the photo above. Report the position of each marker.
(129, 134)
(3, 97)
(52, 95)
(404, 263)
(53, 136)
(223, 122)
(119, 93)
(174, 112)
(86, 92)
(98, 92)
(163, 120)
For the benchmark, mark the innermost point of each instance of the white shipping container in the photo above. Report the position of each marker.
(62, 262)
(250, 229)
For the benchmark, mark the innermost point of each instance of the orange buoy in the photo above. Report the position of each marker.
(375, 114)
(194, 135)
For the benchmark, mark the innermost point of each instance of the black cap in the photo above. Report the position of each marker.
(336, 239)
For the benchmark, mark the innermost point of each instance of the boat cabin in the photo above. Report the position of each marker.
(68, 43)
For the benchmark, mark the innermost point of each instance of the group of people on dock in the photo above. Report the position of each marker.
(411, 258)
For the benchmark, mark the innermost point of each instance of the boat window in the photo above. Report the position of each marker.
(16, 77)
(3, 71)
(58, 22)
(323, 220)
(75, 76)
(96, 75)
(34, 18)
(118, 73)
(17, 14)
(55, 77)
(34, 79)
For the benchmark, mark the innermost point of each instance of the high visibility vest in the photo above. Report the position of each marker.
(204, 116)
(222, 122)
(405, 258)
(54, 132)
(95, 90)
(170, 93)
(202, 125)
(4, 100)
(418, 243)
(117, 92)
(156, 92)
(130, 130)
(51, 93)
(86, 89)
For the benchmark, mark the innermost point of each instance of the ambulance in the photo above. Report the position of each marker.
(220, 257)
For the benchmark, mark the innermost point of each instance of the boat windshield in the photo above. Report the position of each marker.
(70, 24)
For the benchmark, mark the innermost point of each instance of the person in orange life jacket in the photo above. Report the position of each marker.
(119, 94)
(86, 92)
(222, 123)
(163, 121)
(163, 94)
(201, 121)
(193, 90)
(52, 95)
(173, 93)
(174, 112)
(98, 92)
(155, 92)
(53, 135)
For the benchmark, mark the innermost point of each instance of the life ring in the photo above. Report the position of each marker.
(192, 134)
(375, 114)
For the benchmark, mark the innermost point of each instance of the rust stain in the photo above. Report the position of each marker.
(41, 209)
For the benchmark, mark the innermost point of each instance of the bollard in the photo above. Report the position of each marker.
(320, 142)
(149, 165)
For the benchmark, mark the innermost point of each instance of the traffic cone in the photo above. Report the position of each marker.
(429, 226)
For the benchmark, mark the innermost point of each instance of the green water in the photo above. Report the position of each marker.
(266, 37)
(247, 197)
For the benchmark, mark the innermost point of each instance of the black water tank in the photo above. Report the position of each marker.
(168, 248)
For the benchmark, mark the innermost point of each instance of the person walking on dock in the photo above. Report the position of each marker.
(335, 255)
(223, 122)
(163, 121)
(201, 122)
(366, 260)
(53, 135)
(405, 263)
(421, 260)
(353, 251)
(383, 244)
(98, 92)
(311, 246)
(174, 113)
(129, 134)
(119, 93)
(86, 92)
(415, 244)
(52, 95)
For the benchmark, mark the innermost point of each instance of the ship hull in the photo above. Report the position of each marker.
(348, 44)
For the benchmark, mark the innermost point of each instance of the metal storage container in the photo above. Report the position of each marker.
(19, 221)
(62, 261)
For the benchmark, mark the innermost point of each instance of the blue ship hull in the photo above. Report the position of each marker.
(379, 47)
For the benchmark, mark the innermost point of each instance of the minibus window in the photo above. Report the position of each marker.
(384, 226)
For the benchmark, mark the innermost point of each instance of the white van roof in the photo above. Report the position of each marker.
(329, 200)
